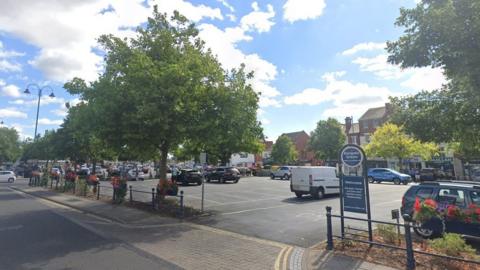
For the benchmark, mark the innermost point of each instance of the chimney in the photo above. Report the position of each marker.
(348, 124)
(388, 109)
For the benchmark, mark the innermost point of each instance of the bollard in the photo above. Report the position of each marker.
(153, 198)
(131, 195)
(114, 193)
(329, 228)
(98, 190)
(408, 244)
(182, 209)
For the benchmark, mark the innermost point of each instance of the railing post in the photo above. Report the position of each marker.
(131, 195)
(98, 190)
(85, 188)
(329, 228)
(51, 183)
(153, 198)
(114, 193)
(56, 183)
(181, 204)
(408, 244)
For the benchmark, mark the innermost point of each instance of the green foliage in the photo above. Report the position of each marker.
(327, 139)
(388, 233)
(9, 144)
(442, 33)
(452, 244)
(390, 141)
(283, 151)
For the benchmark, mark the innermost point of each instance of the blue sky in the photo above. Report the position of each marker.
(313, 59)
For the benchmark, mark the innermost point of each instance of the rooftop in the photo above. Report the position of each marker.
(374, 113)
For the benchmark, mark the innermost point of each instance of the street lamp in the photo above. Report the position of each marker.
(40, 90)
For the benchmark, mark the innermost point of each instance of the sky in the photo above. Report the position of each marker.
(312, 59)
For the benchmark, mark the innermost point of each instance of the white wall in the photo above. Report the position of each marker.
(242, 159)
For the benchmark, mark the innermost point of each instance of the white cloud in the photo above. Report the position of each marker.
(379, 66)
(366, 46)
(12, 113)
(6, 64)
(296, 10)
(258, 20)
(10, 90)
(268, 102)
(227, 5)
(66, 31)
(49, 122)
(425, 78)
(265, 121)
(348, 98)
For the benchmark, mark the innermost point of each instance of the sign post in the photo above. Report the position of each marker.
(354, 192)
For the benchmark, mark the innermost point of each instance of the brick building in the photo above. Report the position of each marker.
(300, 140)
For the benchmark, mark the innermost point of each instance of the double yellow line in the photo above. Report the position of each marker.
(281, 263)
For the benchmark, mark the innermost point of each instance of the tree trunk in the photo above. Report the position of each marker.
(400, 165)
(163, 162)
(94, 166)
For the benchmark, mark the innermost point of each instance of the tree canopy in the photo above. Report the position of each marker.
(163, 88)
(327, 139)
(283, 151)
(9, 144)
(390, 141)
(445, 34)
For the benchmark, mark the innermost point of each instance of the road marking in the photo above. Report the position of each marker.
(200, 198)
(286, 257)
(11, 228)
(279, 258)
(255, 209)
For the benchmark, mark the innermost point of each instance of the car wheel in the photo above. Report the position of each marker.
(405, 183)
(236, 181)
(184, 183)
(318, 194)
(286, 176)
(379, 181)
(199, 183)
(222, 181)
(208, 179)
(272, 176)
(298, 194)
(371, 179)
(11, 180)
(396, 181)
(424, 232)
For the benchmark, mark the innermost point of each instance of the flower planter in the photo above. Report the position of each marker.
(172, 192)
(455, 226)
(435, 224)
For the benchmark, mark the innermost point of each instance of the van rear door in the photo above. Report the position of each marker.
(300, 179)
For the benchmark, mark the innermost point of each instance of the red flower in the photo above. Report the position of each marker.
(431, 203)
(472, 206)
(477, 211)
(468, 220)
(417, 206)
(451, 211)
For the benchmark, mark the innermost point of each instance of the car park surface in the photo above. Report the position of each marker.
(265, 208)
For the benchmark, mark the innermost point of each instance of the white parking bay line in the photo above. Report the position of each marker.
(254, 209)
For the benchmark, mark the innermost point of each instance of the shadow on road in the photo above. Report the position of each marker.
(308, 199)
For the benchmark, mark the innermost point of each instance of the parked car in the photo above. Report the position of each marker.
(388, 175)
(316, 181)
(100, 172)
(223, 174)
(134, 174)
(431, 174)
(189, 176)
(444, 193)
(7, 176)
(284, 172)
(476, 176)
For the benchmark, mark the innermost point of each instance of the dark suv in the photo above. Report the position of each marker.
(457, 193)
(223, 174)
(189, 176)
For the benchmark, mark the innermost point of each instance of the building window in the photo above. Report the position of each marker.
(367, 138)
(353, 139)
(365, 125)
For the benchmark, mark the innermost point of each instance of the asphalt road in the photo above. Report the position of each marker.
(265, 208)
(34, 235)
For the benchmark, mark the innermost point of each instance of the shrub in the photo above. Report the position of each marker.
(388, 233)
(451, 244)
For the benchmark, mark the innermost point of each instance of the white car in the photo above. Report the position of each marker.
(316, 181)
(132, 175)
(7, 176)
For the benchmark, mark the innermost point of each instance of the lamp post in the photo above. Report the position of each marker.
(40, 90)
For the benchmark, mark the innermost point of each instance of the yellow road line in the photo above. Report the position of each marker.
(286, 257)
(279, 258)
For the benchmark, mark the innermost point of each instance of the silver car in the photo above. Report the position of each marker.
(7, 176)
(284, 172)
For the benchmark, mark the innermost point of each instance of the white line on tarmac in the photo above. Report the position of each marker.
(255, 209)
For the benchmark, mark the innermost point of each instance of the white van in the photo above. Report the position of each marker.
(316, 181)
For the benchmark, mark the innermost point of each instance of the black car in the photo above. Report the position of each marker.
(223, 174)
(186, 177)
(460, 194)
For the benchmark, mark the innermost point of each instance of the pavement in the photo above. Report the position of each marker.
(176, 244)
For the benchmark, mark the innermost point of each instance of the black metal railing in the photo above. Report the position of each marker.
(407, 226)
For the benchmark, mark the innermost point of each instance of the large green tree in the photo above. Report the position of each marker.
(9, 144)
(163, 89)
(445, 34)
(283, 151)
(327, 139)
(390, 141)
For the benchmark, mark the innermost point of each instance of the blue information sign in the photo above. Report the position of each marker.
(351, 156)
(353, 192)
